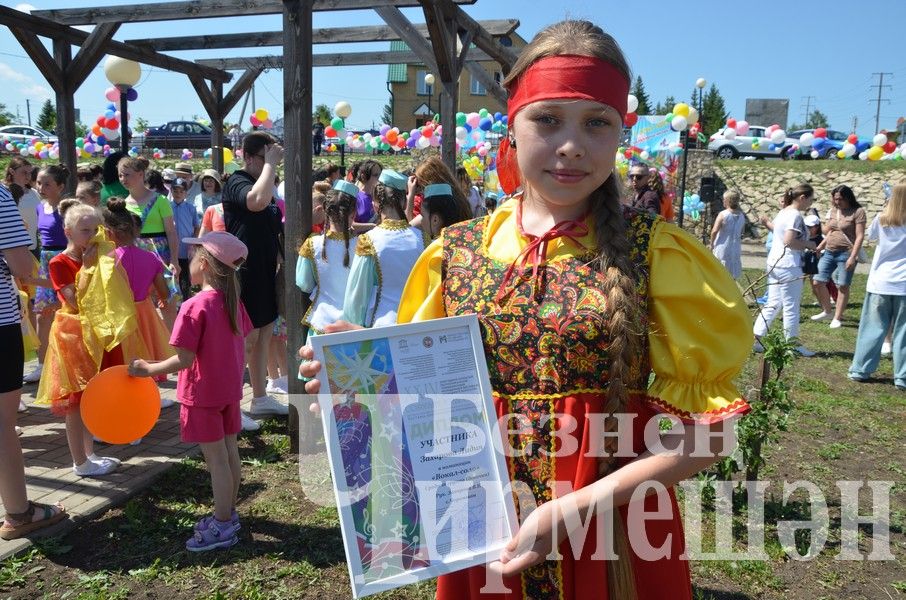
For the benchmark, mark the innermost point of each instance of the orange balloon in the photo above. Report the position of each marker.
(118, 408)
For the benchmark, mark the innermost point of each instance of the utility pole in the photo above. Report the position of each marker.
(28, 110)
(808, 109)
(879, 99)
(855, 123)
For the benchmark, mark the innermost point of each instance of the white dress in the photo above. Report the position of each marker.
(324, 279)
(728, 244)
(383, 259)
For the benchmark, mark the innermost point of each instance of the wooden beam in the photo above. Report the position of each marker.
(196, 9)
(441, 42)
(328, 60)
(47, 28)
(329, 35)
(465, 42)
(487, 80)
(66, 132)
(217, 126)
(204, 94)
(409, 34)
(481, 38)
(241, 86)
(297, 118)
(90, 53)
(40, 56)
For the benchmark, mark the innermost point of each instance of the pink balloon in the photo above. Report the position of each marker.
(267, 124)
(112, 94)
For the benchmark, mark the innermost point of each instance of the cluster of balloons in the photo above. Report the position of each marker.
(186, 154)
(474, 167)
(229, 165)
(472, 130)
(261, 118)
(33, 148)
(632, 105)
(157, 153)
(693, 206)
(113, 94)
(881, 148)
(682, 116)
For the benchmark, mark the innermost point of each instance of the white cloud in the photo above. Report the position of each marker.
(24, 84)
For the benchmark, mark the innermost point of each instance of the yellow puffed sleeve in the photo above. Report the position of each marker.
(423, 296)
(700, 331)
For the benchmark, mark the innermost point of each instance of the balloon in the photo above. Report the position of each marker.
(118, 408)
(681, 109)
(814, 154)
(632, 103)
(336, 123)
(460, 119)
(777, 136)
(821, 132)
(806, 139)
(230, 168)
(889, 147)
(631, 119)
(261, 114)
(255, 121)
(423, 142)
(679, 123)
(112, 94)
(330, 132)
(227, 155)
(841, 154)
(131, 94)
(112, 124)
(342, 109)
(742, 127)
(473, 119)
(848, 149)
(692, 117)
(730, 133)
(731, 123)
(485, 124)
(875, 152)
(853, 138)
(461, 134)
(268, 124)
(879, 140)
(819, 143)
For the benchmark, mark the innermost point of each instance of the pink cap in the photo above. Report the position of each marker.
(223, 246)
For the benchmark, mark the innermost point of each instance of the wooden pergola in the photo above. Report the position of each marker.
(444, 43)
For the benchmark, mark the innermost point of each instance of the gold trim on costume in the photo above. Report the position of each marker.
(394, 224)
(364, 246)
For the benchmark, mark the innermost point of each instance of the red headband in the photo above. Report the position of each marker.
(560, 77)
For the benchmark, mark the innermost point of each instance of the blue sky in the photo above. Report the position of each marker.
(821, 48)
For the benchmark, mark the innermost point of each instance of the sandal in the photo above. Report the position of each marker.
(27, 524)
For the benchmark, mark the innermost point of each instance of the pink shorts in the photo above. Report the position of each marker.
(206, 424)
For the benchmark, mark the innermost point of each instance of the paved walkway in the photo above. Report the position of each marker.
(48, 465)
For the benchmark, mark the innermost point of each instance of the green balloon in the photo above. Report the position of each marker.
(337, 123)
(669, 117)
(483, 113)
(340, 141)
(79, 142)
(460, 119)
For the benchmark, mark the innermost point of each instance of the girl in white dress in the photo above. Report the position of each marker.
(324, 259)
(726, 235)
(383, 258)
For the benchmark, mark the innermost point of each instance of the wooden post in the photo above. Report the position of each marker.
(217, 127)
(297, 115)
(66, 134)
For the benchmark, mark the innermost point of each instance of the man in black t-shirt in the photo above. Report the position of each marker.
(251, 214)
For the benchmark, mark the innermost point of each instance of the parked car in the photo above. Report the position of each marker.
(181, 134)
(25, 133)
(829, 148)
(743, 145)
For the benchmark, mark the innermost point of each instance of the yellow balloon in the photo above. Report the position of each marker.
(875, 152)
(681, 110)
(841, 154)
(261, 114)
(227, 155)
(38, 146)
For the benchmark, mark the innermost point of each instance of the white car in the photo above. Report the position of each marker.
(25, 133)
(744, 145)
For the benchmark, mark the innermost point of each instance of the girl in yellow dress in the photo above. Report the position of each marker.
(580, 300)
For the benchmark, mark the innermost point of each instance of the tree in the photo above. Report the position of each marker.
(141, 124)
(638, 90)
(816, 119)
(667, 106)
(6, 117)
(387, 114)
(714, 111)
(47, 120)
(322, 115)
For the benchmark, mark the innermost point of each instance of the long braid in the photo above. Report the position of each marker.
(338, 206)
(625, 333)
(387, 196)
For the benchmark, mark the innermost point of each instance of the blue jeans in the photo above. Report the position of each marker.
(878, 312)
(833, 263)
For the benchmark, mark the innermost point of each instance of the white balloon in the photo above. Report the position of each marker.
(879, 140)
(814, 154)
(863, 155)
(632, 103)
(461, 134)
(742, 127)
(778, 136)
(644, 155)
(693, 115)
(903, 150)
(730, 133)
(423, 142)
(849, 149)
(806, 139)
(679, 123)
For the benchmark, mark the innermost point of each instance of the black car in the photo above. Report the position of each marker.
(176, 135)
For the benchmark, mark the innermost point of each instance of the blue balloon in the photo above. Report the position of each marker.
(772, 147)
(819, 143)
(504, 119)
(862, 146)
(468, 128)
(485, 124)
(497, 116)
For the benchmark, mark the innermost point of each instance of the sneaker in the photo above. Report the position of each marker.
(822, 316)
(886, 350)
(267, 405)
(213, 537)
(858, 379)
(803, 351)
(23, 407)
(95, 458)
(166, 402)
(277, 386)
(835, 324)
(757, 347)
(92, 468)
(34, 376)
(208, 521)
(248, 423)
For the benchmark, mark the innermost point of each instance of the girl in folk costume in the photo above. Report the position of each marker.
(145, 272)
(94, 329)
(579, 299)
(323, 266)
(439, 209)
(383, 259)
